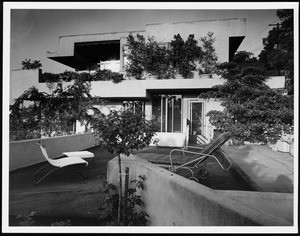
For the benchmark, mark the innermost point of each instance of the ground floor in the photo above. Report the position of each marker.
(182, 116)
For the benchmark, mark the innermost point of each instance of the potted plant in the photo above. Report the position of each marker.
(209, 58)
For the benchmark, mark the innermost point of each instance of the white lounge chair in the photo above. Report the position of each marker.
(57, 164)
(81, 154)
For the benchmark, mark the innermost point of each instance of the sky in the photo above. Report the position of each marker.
(35, 31)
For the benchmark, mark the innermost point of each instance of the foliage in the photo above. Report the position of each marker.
(148, 56)
(51, 114)
(107, 75)
(276, 132)
(67, 76)
(122, 131)
(251, 107)
(26, 219)
(27, 64)
(156, 61)
(109, 207)
(185, 54)
(61, 223)
(136, 54)
(209, 59)
(277, 55)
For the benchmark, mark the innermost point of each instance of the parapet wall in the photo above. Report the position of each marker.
(171, 200)
(27, 152)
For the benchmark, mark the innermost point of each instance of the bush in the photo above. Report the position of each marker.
(109, 206)
(252, 110)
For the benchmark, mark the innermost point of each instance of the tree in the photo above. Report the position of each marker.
(122, 131)
(251, 108)
(52, 114)
(27, 64)
(209, 57)
(277, 55)
(184, 54)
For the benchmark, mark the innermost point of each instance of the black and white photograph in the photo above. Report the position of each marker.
(139, 117)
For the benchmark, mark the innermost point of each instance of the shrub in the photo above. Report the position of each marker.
(252, 110)
(109, 206)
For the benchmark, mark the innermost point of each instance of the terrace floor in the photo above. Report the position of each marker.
(65, 195)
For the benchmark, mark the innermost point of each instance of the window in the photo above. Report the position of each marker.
(167, 112)
(137, 106)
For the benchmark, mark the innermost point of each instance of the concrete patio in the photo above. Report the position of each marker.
(65, 195)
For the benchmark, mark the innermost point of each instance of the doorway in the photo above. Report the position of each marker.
(197, 127)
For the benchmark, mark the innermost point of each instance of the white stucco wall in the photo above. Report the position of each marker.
(172, 200)
(21, 80)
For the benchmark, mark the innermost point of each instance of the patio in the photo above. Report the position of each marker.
(66, 196)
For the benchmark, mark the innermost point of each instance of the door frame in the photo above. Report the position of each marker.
(203, 126)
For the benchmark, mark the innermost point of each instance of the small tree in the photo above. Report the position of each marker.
(122, 131)
(27, 64)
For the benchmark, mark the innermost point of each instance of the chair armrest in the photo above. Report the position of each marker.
(201, 148)
(182, 151)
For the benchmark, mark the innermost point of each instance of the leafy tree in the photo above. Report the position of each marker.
(136, 54)
(27, 64)
(250, 106)
(184, 54)
(51, 114)
(122, 131)
(209, 57)
(277, 55)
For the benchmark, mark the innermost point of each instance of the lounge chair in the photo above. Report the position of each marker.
(56, 164)
(81, 154)
(212, 150)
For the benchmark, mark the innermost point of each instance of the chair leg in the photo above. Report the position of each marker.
(48, 173)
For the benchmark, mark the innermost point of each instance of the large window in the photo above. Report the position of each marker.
(167, 112)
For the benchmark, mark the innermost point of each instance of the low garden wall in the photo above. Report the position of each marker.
(27, 152)
(171, 200)
(170, 139)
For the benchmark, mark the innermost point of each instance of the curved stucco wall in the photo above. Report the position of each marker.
(27, 152)
(171, 200)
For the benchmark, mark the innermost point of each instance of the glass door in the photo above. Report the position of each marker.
(196, 120)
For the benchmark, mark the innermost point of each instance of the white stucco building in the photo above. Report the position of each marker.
(172, 102)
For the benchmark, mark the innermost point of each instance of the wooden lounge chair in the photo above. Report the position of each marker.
(56, 164)
(212, 150)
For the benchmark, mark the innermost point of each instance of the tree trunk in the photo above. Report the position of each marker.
(125, 194)
(120, 188)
